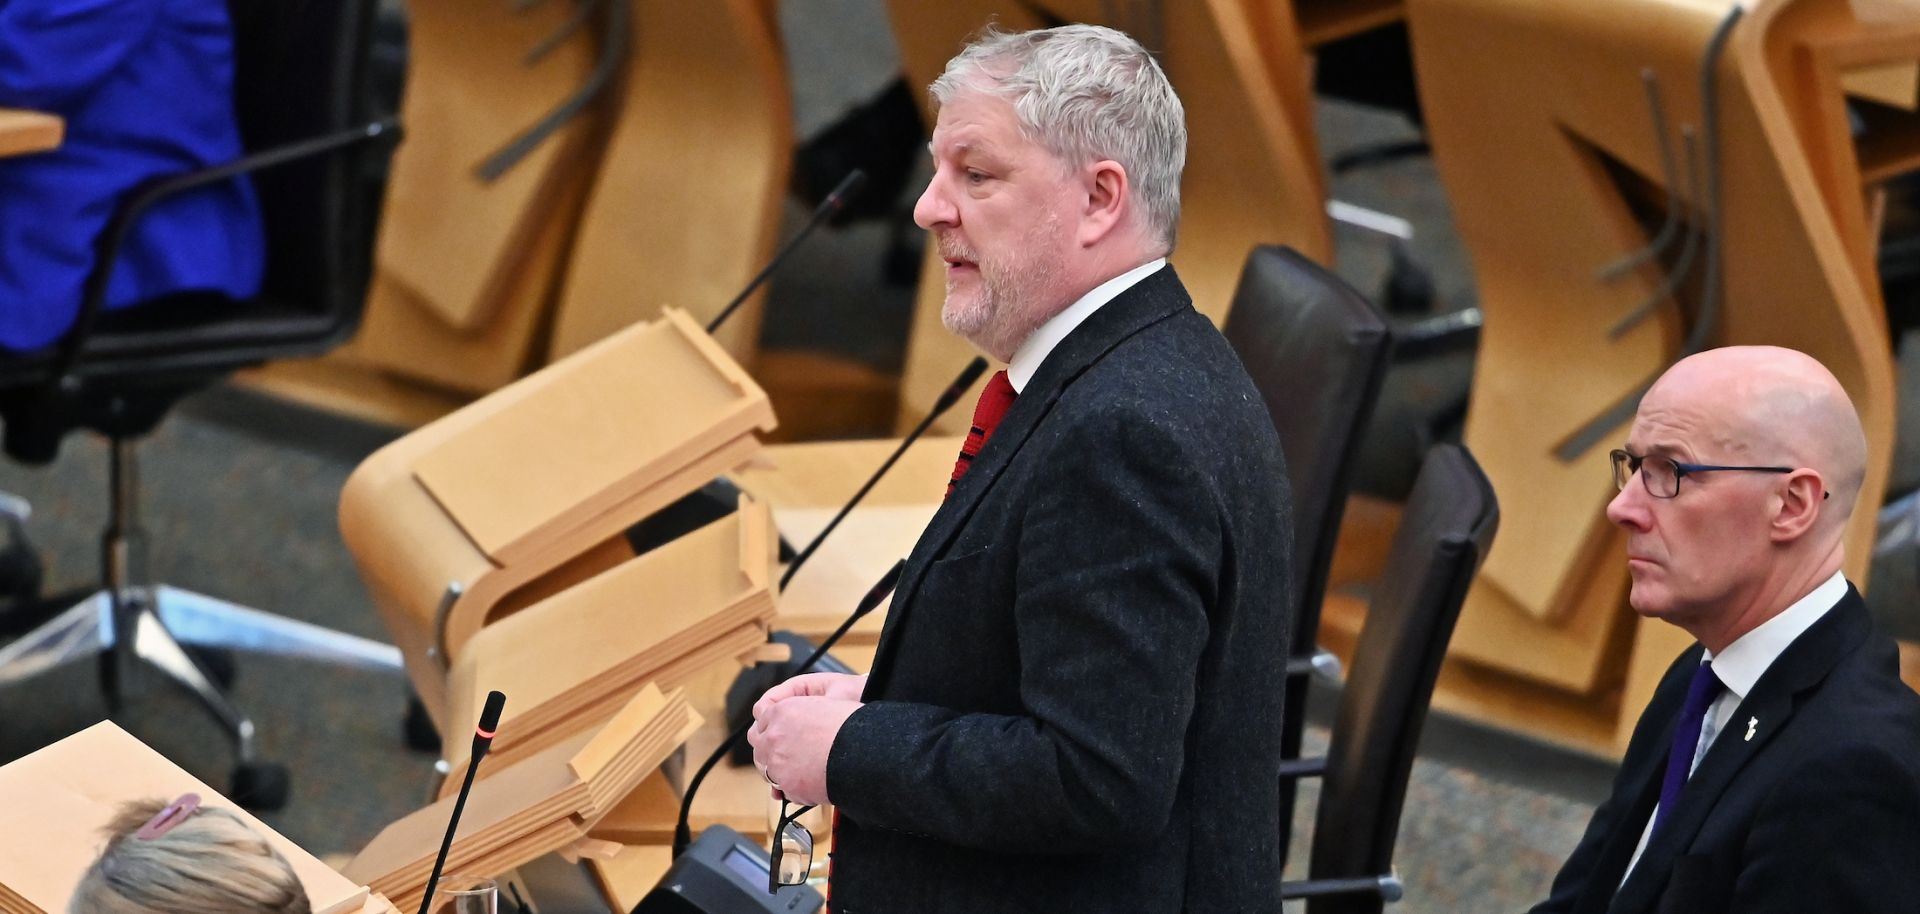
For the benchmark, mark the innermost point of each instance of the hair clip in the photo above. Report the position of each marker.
(165, 820)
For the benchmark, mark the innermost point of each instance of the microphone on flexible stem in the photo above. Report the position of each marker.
(756, 679)
(717, 499)
(683, 829)
(836, 201)
(482, 741)
(947, 398)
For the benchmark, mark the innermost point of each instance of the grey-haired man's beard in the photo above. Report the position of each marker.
(1004, 309)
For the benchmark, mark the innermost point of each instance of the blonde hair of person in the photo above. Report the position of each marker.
(207, 862)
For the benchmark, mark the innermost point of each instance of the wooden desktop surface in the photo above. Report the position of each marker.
(24, 132)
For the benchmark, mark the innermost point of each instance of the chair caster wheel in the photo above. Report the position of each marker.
(216, 662)
(260, 786)
(421, 735)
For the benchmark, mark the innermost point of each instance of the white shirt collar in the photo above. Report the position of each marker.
(1027, 359)
(1747, 658)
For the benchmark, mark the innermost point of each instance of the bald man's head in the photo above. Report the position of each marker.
(1746, 464)
(1774, 406)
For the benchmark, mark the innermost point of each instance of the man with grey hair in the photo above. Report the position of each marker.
(1777, 767)
(1075, 702)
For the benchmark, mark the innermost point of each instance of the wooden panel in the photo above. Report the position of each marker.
(687, 202)
(409, 550)
(1252, 174)
(352, 389)
(454, 240)
(1896, 84)
(1541, 171)
(1520, 155)
(628, 411)
(1814, 231)
(23, 132)
(1322, 21)
(808, 483)
(595, 644)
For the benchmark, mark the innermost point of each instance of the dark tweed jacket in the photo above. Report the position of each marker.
(1075, 704)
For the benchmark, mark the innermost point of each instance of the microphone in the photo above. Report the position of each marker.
(683, 829)
(846, 190)
(482, 741)
(947, 398)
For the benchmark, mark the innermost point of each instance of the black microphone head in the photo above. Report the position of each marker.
(881, 589)
(848, 188)
(968, 375)
(490, 715)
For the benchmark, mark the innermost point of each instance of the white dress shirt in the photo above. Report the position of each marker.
(1742, 664)
(1026, 360)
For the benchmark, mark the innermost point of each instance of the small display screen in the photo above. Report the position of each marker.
(747, 863)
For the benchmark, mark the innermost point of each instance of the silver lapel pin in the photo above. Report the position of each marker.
(1752, 722)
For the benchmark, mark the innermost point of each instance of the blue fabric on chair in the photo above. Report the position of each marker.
(146, 88)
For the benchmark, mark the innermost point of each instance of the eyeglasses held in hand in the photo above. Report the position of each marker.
(792, 849)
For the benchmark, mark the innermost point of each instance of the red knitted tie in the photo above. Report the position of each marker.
(995, 399)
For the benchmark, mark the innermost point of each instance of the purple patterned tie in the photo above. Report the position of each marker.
(1701, 692)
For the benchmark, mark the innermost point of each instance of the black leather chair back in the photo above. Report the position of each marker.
(302, 72)
(1444, 534)
(1317, 351)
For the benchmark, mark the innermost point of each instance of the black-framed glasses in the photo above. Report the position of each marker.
(1662, 475)
(791, 850)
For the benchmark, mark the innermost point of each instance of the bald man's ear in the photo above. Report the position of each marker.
(1106, 187)
(1800, 505)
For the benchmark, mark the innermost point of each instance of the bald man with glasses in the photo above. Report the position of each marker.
(1777, 767)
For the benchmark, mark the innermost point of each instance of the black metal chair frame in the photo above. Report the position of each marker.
(1391, 687)
(123, 382)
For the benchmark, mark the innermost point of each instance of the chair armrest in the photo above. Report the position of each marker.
(94, 297)
(1388, 887)
(1293, 769)
(1457, 331)
(1321, 662)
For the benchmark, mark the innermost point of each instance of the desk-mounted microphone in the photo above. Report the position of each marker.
(836, 201)
(683, 829)
(482, 741)
(947, 398)
(756, 679)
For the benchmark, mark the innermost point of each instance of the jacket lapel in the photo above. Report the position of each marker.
(1149, 301)
(1772, 702)
(1640, 789)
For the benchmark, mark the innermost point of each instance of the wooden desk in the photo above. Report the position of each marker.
(807, 483)
(25, 132)
(804, 483)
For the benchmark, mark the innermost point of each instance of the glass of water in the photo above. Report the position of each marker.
(463, 894)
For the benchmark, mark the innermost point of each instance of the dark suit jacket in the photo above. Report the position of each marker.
(1819, 811)
(1075, 702)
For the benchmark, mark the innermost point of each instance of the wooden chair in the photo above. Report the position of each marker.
(663, 189)
(1754, 232)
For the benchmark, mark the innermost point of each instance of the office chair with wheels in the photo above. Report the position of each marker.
(317, 159)
(1445, 533)
(1317, 352)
